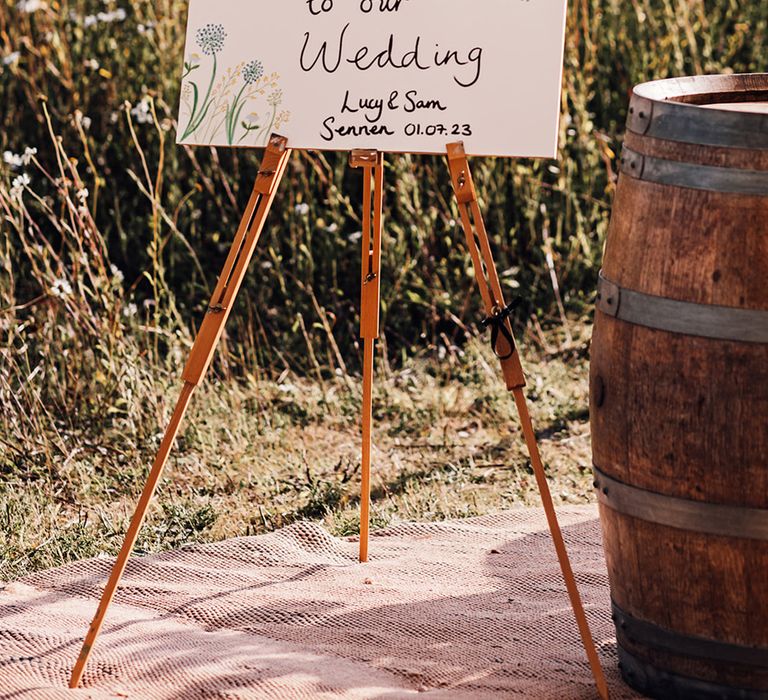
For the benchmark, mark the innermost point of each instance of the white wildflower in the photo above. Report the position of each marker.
(82, 194)
(266, 265)
(117, 15)
(89, 20)
(61, 288)
(86, 122)
(130, 310)
(93, 64)
(29, 153)
(116, 274)
(12, 58)
(12, 159)
(18, 184)
(302, 209)
(355, 237)
(30, 6)
(142, 112)
(333, 228)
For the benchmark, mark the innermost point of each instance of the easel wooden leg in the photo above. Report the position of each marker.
(272, 169)
(372, 164)
(504, 347)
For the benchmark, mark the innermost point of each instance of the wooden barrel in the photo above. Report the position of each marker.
(679, 390)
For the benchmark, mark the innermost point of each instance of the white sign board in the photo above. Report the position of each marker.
(391, 75)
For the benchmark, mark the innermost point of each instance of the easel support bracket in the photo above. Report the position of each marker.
(372, 164)
(270, 173)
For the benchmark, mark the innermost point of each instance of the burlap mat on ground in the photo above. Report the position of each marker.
(464, 609)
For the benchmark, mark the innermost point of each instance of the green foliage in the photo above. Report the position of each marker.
(167, 213)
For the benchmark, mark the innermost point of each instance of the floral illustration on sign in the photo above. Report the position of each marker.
(221, 107)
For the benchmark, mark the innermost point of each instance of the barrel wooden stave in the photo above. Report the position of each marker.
(686, 416)
(693, 570)
(738, 619)
(721, 257)
(672, 403)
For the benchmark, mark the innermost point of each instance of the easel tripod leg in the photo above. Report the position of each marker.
(557, 538)
(372, 164)
(365, 487)
(132, 533)
(272, 169)
(504, 346)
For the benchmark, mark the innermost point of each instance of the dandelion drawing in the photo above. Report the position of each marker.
(251, 74)
(210, 39)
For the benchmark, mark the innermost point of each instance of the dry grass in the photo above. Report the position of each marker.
(256, 455)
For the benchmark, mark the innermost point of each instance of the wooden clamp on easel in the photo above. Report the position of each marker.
(498, 320)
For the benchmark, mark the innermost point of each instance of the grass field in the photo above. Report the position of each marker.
(111, 238)
(258, 454)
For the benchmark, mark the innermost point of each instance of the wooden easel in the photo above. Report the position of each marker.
(371, 162)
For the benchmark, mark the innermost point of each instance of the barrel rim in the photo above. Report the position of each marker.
(671, 110)
(691, 91)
